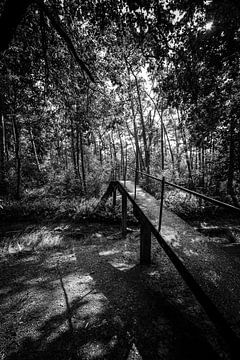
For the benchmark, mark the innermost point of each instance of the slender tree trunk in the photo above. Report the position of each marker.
(177, 145)
(113, 164)
(66, 142)
(58, 146)
(188, 160)
(66, 156)
(34, 149)
(131, 137)
(135, 127)
(162, 143)
(122, 151)
(82, 160)
(16, 133)
(126, 159)
(78, 152)
(196, 159)
(170, 148)
(203, 165)
(137, 147)
(231, 163)
(160, 113)
(145, 146)
(100, 153)
(3, 135)
(73, 150)
(191, 156)
(100, 147)
(95, 151)
(239, 152)
(199, 160)
(115, 156)
(3, 186)
(6, 147)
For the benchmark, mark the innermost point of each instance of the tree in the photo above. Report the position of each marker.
(166, 90)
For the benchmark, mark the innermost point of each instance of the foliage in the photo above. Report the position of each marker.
(47, 208)
(165, 88)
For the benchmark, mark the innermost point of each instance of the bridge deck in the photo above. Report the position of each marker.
(206, 264)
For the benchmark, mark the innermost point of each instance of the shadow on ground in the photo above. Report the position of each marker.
(88, 299)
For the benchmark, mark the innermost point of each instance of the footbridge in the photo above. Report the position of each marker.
(209, 271)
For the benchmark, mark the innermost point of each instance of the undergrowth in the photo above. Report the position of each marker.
(192, 208)
(50, 209)
(185, 205)
(47, 208)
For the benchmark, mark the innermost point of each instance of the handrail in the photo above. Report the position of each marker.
(198, 288)
(205, 197)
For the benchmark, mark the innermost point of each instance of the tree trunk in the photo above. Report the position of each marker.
(162, 129)
(73, 150)
(126, 160)
(78, 152)
(137, 147)
(122, 152)
(203, 165)
(34, 149)
(82, 160)
(145, 146)
(16, 133)
(231, 164)
(3, 185)
(100, 147)
(131, 137)
(185, 147)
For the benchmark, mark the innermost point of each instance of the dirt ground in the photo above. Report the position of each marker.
(78, 292)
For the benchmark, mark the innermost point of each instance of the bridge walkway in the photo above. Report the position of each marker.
(211, 273)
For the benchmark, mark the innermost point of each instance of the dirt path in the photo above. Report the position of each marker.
(77, 292)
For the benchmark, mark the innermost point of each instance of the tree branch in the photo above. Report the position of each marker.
(12, 14)
(63, 34)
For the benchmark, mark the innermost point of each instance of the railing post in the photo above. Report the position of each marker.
(145, 244)
(124, 215)
(161, 204)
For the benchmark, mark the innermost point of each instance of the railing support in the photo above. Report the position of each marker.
(161, 204)
(124, 216)
(145, 244)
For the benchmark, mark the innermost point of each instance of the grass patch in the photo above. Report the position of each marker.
(48, 208)
(30, 239)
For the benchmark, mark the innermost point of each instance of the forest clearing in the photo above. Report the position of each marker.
(119, 179)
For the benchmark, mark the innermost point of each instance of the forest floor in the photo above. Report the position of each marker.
(77, 292)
